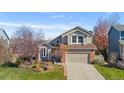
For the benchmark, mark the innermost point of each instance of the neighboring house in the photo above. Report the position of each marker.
(116, 40)
(74, 45)
(4, 47)
(3, 34)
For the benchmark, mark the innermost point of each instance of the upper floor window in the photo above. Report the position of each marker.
(122, 35)
(77, 39)
(43, 52)
(80, 39)
(74, 39)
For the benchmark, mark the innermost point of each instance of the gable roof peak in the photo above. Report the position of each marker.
(78, 27)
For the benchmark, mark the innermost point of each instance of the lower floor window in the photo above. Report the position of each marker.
(43, 52)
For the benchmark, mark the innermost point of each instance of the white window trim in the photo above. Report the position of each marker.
(71, 40)
(83, 40)
(120, 36)
(43, 52)
(77, 39)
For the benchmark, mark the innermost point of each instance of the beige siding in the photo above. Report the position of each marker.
(87, 39)
(122, 52)
(69, 40)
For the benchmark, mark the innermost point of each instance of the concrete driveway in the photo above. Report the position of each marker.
(82, 71)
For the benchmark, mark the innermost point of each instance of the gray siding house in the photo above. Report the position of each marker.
(3, 34)
(78, 42)
(116, 40)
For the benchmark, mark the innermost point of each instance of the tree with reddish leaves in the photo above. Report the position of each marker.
(101, 34)
(101, 30)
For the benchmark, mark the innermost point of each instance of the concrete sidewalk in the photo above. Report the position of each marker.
(82, 71)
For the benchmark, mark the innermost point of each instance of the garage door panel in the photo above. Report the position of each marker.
(77, 58)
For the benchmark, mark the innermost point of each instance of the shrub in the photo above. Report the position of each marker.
(19, 61)
(97, 61)
(113, 58)
(28, 58)
(37, 66)
(45, 66)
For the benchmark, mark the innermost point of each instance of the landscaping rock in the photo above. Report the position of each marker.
(24, 65)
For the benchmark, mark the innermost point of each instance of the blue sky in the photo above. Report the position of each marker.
(52, 23)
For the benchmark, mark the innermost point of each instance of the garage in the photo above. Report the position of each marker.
(76, 58)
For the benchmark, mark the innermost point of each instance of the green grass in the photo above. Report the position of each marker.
(13, 73)
(110, 73)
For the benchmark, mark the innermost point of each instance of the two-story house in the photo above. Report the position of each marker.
(75, 44)
(116, 40)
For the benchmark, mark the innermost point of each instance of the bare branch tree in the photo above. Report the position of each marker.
(25, 40)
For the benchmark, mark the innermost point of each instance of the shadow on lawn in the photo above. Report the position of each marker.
(108, 65)
(9, 65)
(111, 66)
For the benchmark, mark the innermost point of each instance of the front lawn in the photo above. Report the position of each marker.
(110, 73)
(13, 73)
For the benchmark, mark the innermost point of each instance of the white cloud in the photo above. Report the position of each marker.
(45, 26)
(9, 24)
(50, 30)
(56, 15)
(36, 26)
(109, 12)
(56, 29)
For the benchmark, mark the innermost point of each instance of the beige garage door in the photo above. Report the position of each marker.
(77, 58)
